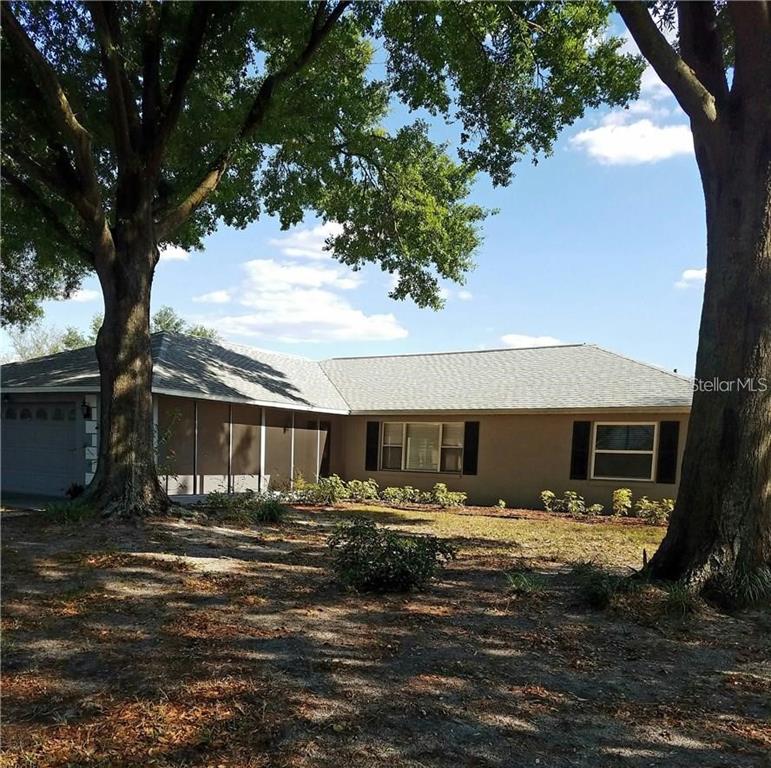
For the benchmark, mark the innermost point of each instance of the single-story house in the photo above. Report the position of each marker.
(498, 424)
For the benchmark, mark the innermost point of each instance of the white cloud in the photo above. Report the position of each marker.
(465, 295)
(215, 297)
(691, 277)
(521, 340)
(84, 295)
(634, 143)
(307, 243)
(295, 302)
(174, 253)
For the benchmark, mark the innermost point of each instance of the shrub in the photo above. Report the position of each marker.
(681, 599)
(654, 512)
(363, 490)
(525, 583)
(393, 495)
(598, 588)
(369, 558)
(571, 503)
(594, 509)
(501, 504)
(330, 490)
(76, 511)
(445, 498)
(622, 501)
(245, 508)
(548, 497)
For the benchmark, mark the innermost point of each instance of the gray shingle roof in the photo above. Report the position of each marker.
(561, 377)
(542, 378)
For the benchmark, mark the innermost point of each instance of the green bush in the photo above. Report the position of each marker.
(654, 512)
(76, 511)
(597, 587)
(393, 495)
(525, 582)
(571, 503)
(622, 501)
(363, 490)
(501, 504)
(368, 558)
(245, 508)
(445, 498)
(681, 599)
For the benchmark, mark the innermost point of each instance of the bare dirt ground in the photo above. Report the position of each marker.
(181, 644)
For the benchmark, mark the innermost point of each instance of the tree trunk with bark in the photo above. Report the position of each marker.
(126, 482)
(720, 533)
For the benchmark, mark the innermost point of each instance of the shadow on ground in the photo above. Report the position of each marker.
(178, 644)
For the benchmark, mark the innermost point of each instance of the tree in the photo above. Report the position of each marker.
(720, 73)
(128, 126)
(167, 319)
(39, 340)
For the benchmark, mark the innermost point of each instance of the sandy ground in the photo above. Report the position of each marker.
(180, 644)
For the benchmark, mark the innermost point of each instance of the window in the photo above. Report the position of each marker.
(57, 414)
(393, 435)
(10, 413)
(41, 414)
(422, 446)
(623, 451)
(25, 414)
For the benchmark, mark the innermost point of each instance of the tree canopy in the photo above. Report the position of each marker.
(234, 111)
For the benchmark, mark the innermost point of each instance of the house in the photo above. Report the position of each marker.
(504, 423)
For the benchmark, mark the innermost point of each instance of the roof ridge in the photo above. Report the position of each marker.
(652, 367)
(456, 352)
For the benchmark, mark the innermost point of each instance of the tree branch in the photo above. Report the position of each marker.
(701, 46)
(751, 23)
(46, 83)
(692, 95)
(254, 119)
(151, 75)
(123, 114)
(50, 216)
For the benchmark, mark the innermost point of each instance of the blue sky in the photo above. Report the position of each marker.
(604, 242)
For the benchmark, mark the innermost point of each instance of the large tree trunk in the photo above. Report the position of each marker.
(126, 483)
(720, 533)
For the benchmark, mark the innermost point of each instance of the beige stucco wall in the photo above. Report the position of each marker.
(519, 456)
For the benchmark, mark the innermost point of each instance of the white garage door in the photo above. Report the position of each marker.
(41, 452)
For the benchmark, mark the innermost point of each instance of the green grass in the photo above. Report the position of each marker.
(554, 539)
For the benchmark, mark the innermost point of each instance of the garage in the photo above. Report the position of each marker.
(42, 447)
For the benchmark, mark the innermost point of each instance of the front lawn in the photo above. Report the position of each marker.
(182, 644)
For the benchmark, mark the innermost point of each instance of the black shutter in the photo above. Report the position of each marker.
(373, 440)
(666, 463)
(579, 451)
(470, 447)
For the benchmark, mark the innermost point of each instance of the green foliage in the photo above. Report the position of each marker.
(363, 490)
(328, 490)
(746, 587)
(525, 582)
(369, 558)
(512, 75)
(598, 588)
(571, 503)
(245, 508)
(681, 599)
(393, 495)
(501, 504)
(654, 512)
(445, 498)
(622, 502)
(38, 340)
(78, 510)
(167, 319)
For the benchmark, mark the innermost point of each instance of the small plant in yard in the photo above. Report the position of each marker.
(525, 582)
(571, 503)
(597, 587)
(654, 512)
(445, 498)
(76, 511)
(369, 558)
(363, 490)
(681, 599)
(548, 497)
(393, 495)
(622, 501)
(245, 508)
(501, 504)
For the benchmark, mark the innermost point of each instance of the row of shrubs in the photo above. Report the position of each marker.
(333, 489)
(653, 512)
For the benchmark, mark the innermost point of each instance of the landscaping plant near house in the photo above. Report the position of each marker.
(622, 502)
(369, 558)
(363, 490)
(245, 508)
(654, 512)
(571, 503)
(445, 498)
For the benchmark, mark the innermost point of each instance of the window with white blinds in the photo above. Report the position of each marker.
(422, 446)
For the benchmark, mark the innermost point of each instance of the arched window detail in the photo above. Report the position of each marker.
(41, 414)
(10, 413)
(25, 414)
(57, 414)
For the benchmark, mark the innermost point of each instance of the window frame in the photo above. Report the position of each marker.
(652, 453)
(403, 446)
